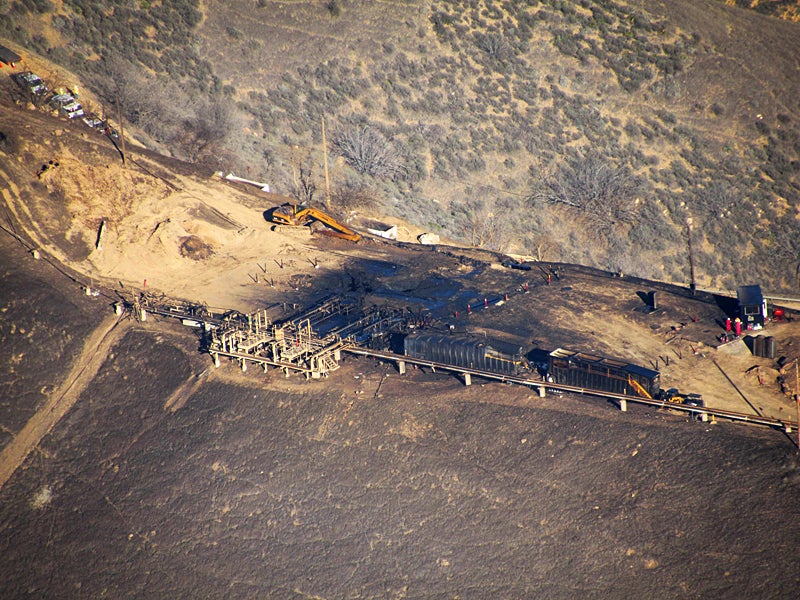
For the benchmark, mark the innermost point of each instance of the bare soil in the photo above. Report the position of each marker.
(168, 478)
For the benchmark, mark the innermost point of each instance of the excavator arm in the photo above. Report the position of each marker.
(342, 230)
(638, 388)
(302, 217)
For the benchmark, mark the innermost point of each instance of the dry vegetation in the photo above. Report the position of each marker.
(578, 131)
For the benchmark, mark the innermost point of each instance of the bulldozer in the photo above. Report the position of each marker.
(292, 216)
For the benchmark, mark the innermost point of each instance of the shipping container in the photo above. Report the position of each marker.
(466, 351)
(568, 367)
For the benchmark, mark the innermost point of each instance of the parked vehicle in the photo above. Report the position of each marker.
(67, 106)
(30, 82)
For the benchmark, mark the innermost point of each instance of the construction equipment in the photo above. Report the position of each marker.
(639, 388)
(671, 396)
(289, 215)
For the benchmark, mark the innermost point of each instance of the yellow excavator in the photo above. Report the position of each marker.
(290, 215)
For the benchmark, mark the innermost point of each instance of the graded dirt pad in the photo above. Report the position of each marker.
(188, 234)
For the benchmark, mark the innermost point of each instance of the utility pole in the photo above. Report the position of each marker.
(294, 168)
(121, 129)
(692, 284)
(325, 159)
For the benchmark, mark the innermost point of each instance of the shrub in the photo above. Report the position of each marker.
(334, 7)
(367, 151)
(352, 194)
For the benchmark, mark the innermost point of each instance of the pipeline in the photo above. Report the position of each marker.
(785, 426)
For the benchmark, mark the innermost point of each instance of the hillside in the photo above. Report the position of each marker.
(579, 131)
(131, 467)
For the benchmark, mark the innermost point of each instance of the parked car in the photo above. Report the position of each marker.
(101, 125)
(95, 122)
(67, 106)
(30, 82)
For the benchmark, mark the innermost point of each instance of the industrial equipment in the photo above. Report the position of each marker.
(291, 216)
(465, 351)
(601, 373)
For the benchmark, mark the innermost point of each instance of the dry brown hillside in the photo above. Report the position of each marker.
(580, 131)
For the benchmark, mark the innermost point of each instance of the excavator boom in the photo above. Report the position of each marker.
(639, 388)
(302, 217)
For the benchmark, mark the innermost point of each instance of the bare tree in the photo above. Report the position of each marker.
(486, 221)
(207, 129)
(304, 187)
(603, 193)
(367, 151)
(353, 193)
(495, 45)
(716, 199)
(142, 99)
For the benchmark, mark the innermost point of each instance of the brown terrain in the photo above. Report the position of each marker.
(132, 468)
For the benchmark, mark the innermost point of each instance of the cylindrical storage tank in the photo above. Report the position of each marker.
(769, 347)
(758, 345)
(654, 300)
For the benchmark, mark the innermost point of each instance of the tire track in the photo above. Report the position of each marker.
(95, 351)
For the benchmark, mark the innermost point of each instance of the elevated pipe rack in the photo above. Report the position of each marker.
(622, 399)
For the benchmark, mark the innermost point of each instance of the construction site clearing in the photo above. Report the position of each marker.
(161, 233)
(312, 342)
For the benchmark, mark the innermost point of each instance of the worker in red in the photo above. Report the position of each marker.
(737, 323)
(727, 323)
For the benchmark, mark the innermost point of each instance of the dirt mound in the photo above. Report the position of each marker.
(195, 248)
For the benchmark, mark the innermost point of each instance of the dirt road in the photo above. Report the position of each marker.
(62, 399)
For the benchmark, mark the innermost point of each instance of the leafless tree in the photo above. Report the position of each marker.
(487, 221)
(143, 101)
(367, 151)
(304, 187)
(207, 129)
(603, 193)
(716, 199)
(495, 45)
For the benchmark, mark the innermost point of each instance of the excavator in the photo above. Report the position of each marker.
(290, 215)
(670, 396)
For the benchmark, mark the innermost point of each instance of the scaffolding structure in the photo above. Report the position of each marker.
(291, 346)
(310, 343)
